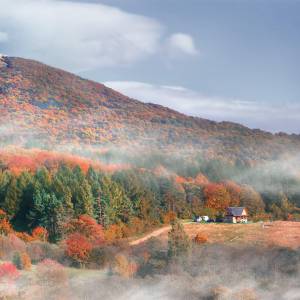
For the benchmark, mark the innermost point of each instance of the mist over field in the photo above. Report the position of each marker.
(210, 272)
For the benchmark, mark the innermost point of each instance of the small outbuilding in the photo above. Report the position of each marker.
(236, 215)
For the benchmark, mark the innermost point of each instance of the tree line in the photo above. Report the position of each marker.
(132, 198)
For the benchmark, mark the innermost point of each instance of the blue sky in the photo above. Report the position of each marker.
(222, 60)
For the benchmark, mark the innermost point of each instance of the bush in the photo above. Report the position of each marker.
(124, 266)
(39, 251)
(22, 261)
(52, 278)
(26, 261)
(8, 273)
(9, 245)
(40, 233)
(24, 237)
(200, 238)
(98, 257)
(245, 294)
(5, 226)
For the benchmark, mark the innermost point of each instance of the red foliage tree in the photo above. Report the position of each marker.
(78, 248)
(87, 227)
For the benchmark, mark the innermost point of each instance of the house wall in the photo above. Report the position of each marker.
(234, 220)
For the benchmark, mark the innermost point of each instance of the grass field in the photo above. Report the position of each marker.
(278, 233)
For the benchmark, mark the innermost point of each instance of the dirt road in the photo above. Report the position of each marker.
(154, 233)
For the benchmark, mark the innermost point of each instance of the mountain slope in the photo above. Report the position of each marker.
(48, 106)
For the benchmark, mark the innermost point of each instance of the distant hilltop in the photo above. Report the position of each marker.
(48, 106)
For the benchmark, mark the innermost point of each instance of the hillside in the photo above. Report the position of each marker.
(43, 106)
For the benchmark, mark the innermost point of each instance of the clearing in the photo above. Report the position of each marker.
(278, 233)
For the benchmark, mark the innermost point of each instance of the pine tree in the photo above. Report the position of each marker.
(48, 212)
(83, 198)
(5, 178)
(12, 199)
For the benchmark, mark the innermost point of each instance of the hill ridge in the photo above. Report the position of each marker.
(50, 106)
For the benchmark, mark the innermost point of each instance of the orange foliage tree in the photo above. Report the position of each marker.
(169, 217)
(113, 232)
(40, 233)
(216, 196)
(234, 191)
(5, 226)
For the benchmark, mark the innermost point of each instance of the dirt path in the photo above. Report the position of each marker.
(154, 233)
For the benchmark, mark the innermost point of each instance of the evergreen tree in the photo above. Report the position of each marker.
(5, 178)
(24, 184)
(12, 199)
(179, 243)
(83, 198)
(48, 212)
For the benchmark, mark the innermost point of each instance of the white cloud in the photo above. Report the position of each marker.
(79, 36)
(254, 114)
(181, 43)
(3, 37)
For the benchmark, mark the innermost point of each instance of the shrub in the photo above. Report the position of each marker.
(200, 238)
(5, 226)
(26, 261)
(51, 272)
(220, 293)
(24, 237)
(245, 294)
(36, 252)
(97, 257)
(124, 266)
(9, 245)
(17, 260)
(8, 272)
(52, 278)
(22, 261)
(40, 233)
(39, 251)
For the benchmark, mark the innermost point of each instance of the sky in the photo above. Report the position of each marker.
(223, 60)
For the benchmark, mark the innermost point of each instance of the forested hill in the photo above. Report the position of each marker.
(41, 105)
